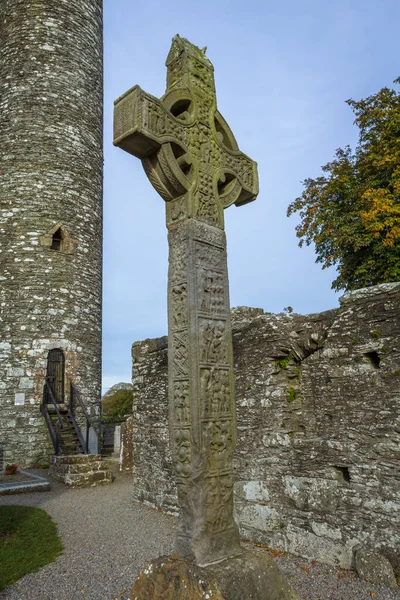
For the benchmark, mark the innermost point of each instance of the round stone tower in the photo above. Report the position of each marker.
(51, 120)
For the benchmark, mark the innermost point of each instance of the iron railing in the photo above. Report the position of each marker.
(57, 428)
(74, 399)
(48, 397)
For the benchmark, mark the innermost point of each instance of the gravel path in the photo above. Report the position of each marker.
(108, 538)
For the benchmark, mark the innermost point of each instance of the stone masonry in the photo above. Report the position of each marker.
(317, 464)
(50, 195)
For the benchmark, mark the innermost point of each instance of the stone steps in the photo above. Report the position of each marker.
(69, 441)
(80, 470)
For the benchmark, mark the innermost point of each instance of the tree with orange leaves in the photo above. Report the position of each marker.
(352, 211)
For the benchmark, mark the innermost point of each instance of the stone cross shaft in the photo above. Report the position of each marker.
(192, 159)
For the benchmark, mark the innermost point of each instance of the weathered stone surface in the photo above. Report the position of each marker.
(126, 451)
(374, 567)
(173, 579)
(193, 161)
(318, 456)
(51, 155)
(250, 576)
(81, 470)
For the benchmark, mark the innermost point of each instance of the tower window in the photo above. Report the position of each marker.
(57, 239)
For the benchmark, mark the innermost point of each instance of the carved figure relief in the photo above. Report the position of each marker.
(213, 344)
(186, 518)
(203, 73)
(211, 296)
(177, 209)
(217, 444)
(208, 256)
(207, 208)
(179, 306)
(182, 401)
(178, 257)
(180, 354)
(214, 392)
(182, 454)
(218, 502)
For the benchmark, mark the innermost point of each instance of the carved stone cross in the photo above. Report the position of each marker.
(192, 159)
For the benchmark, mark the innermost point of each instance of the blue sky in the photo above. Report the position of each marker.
(283, 71)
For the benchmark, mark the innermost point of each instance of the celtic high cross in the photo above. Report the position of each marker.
(192, 159)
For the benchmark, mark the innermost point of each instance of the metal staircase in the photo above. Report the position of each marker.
(72, 464)
(64, 432)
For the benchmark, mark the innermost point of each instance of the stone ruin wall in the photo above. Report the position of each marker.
(317, 463)
(51, 110)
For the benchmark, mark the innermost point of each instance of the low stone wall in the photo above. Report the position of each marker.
(318, 455)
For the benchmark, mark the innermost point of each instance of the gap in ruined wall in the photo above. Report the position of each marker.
(343, 474)
(374, 359)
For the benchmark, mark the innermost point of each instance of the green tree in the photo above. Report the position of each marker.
(117, 405)
(352, 212)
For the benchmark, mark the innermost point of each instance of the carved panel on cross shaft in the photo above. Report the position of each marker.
(205, 183)
(177, 256)
(176, 210)
(211, 291)
(180, 354)
(208, 256)
(179, 306)
(217, 444)
(206, 209)
(218, 503)
(202, 144)
(208, 235)
(204, 105)
(213, 341)
(201, 75)
(182, 452)
(186, 522)
(215, 393)
(181, 402)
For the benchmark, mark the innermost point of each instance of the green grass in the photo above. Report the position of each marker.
(291, 394)
(28, 541)
(282, 363)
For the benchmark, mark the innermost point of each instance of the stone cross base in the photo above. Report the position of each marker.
(252, 576)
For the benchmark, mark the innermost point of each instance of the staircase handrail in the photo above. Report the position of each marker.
(54, 434)
(85, 446)
(75, 394)
(48, 386)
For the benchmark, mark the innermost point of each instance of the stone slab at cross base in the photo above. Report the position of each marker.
(80, 470)
(374, 567)
(250, 576)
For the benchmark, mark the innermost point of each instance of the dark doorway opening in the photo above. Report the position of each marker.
(55, 375)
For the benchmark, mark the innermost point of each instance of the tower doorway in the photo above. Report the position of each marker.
(55, 375)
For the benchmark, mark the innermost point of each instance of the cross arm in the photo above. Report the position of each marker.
(142, 124)
(238, 178)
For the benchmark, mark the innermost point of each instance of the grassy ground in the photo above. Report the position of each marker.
(28, 541)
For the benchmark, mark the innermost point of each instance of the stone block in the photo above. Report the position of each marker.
(251, 575)
(374, 567)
